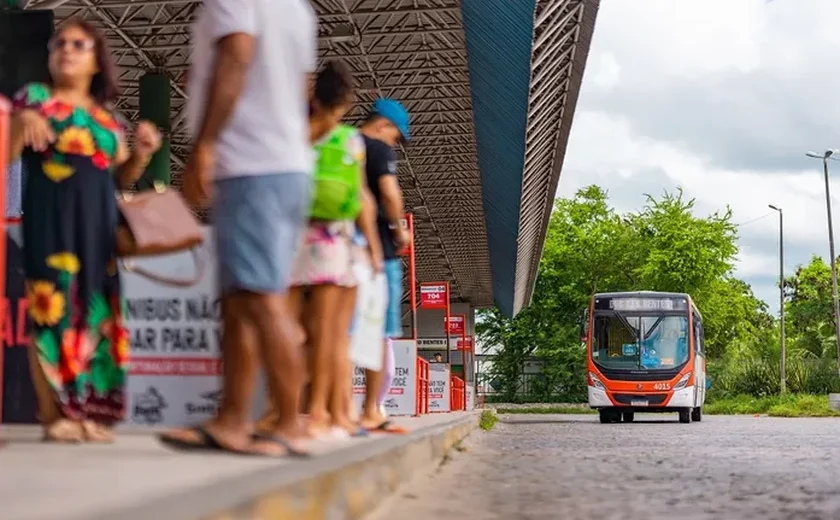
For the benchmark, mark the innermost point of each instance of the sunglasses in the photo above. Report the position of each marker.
(80, 45)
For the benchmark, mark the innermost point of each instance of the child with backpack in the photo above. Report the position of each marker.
(323, 271)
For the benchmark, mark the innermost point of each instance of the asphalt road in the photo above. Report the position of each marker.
(573, 467)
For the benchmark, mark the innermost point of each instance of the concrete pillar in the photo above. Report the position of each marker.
(155, 107)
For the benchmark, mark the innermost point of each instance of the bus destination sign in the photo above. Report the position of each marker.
(646, 304)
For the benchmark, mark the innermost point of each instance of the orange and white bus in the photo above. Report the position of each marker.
(645, 353)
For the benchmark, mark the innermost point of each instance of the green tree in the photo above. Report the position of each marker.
(682, 252)
(810, 309)
(734, 319)
(592, 248)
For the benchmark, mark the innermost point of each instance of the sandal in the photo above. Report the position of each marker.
(291, 451)
(205, 442)
(388, 427)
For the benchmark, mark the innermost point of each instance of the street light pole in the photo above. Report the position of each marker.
(825, 157)
(783, 355)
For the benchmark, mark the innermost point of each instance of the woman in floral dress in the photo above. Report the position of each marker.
(77, 157)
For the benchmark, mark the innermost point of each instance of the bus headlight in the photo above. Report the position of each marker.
(595, 382)
(683, 381)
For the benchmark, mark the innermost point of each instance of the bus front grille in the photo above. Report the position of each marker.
(652, 399)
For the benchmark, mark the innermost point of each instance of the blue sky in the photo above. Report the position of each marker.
(722, 98)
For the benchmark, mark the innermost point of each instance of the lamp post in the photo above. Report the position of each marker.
(782, 361)
(824, 157)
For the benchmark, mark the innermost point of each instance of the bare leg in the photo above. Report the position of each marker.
(371, 416)
(56, 427)
(280, 340)
(387, 374)
(232, 428)
(342, 399)
(323, 311)
(271, 415)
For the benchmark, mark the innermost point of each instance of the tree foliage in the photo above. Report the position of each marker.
(810, 309)
(589, 248)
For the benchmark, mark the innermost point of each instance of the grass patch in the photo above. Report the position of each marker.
(488, 420)
(788, 405)
(548, 410)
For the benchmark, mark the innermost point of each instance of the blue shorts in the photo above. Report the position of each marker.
(258, 221)
(393, 313)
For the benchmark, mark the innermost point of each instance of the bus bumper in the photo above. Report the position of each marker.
(683, 398)
(598, 398)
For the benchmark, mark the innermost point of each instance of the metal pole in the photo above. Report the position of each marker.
(833, 263)
(782, 299)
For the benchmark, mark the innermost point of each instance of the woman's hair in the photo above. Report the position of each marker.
(103, 87)
(334, 84)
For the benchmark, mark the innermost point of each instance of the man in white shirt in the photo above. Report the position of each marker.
(248, 111)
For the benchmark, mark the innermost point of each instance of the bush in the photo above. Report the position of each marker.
(533, 399)
(548, 410)
(487, 420)
(788, 405)
(761, 378)
(821, 377)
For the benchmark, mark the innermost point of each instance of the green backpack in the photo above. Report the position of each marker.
(337, 186)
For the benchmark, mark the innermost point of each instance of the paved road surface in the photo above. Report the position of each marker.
(574, 468)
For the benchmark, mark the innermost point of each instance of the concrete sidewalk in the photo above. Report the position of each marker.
(136, 479)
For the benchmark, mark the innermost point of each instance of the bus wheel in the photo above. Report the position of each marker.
(628, 416)
(685, 415)
(605, 416)
(697, 414)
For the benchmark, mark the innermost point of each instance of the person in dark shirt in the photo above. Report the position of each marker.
(387, 126)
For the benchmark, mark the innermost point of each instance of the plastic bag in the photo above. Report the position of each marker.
(369, 331)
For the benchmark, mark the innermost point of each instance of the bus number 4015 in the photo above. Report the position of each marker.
(662, 386)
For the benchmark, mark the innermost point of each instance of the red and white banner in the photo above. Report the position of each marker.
(457, 324)
(439, 385)
(401, 395)
(434, 295)
(175, 368)
(466, 344)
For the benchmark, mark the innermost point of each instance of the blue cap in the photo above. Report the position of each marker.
(394, 112)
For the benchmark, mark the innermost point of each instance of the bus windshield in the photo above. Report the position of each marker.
(640, 342)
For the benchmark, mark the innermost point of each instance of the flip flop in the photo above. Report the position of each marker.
(388, 427)
(206, 442)
(360, 433)
(280, 441)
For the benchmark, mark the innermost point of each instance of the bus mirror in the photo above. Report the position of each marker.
(584, 327)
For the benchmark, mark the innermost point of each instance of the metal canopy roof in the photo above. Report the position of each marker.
(415, 51)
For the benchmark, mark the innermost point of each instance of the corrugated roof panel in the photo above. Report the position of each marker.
(499, 35)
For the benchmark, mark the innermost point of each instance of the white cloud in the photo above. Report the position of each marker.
(606, 73)
(766, 77)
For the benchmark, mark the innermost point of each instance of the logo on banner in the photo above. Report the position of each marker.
(148, 407)
(209, 405)
(391, 404)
